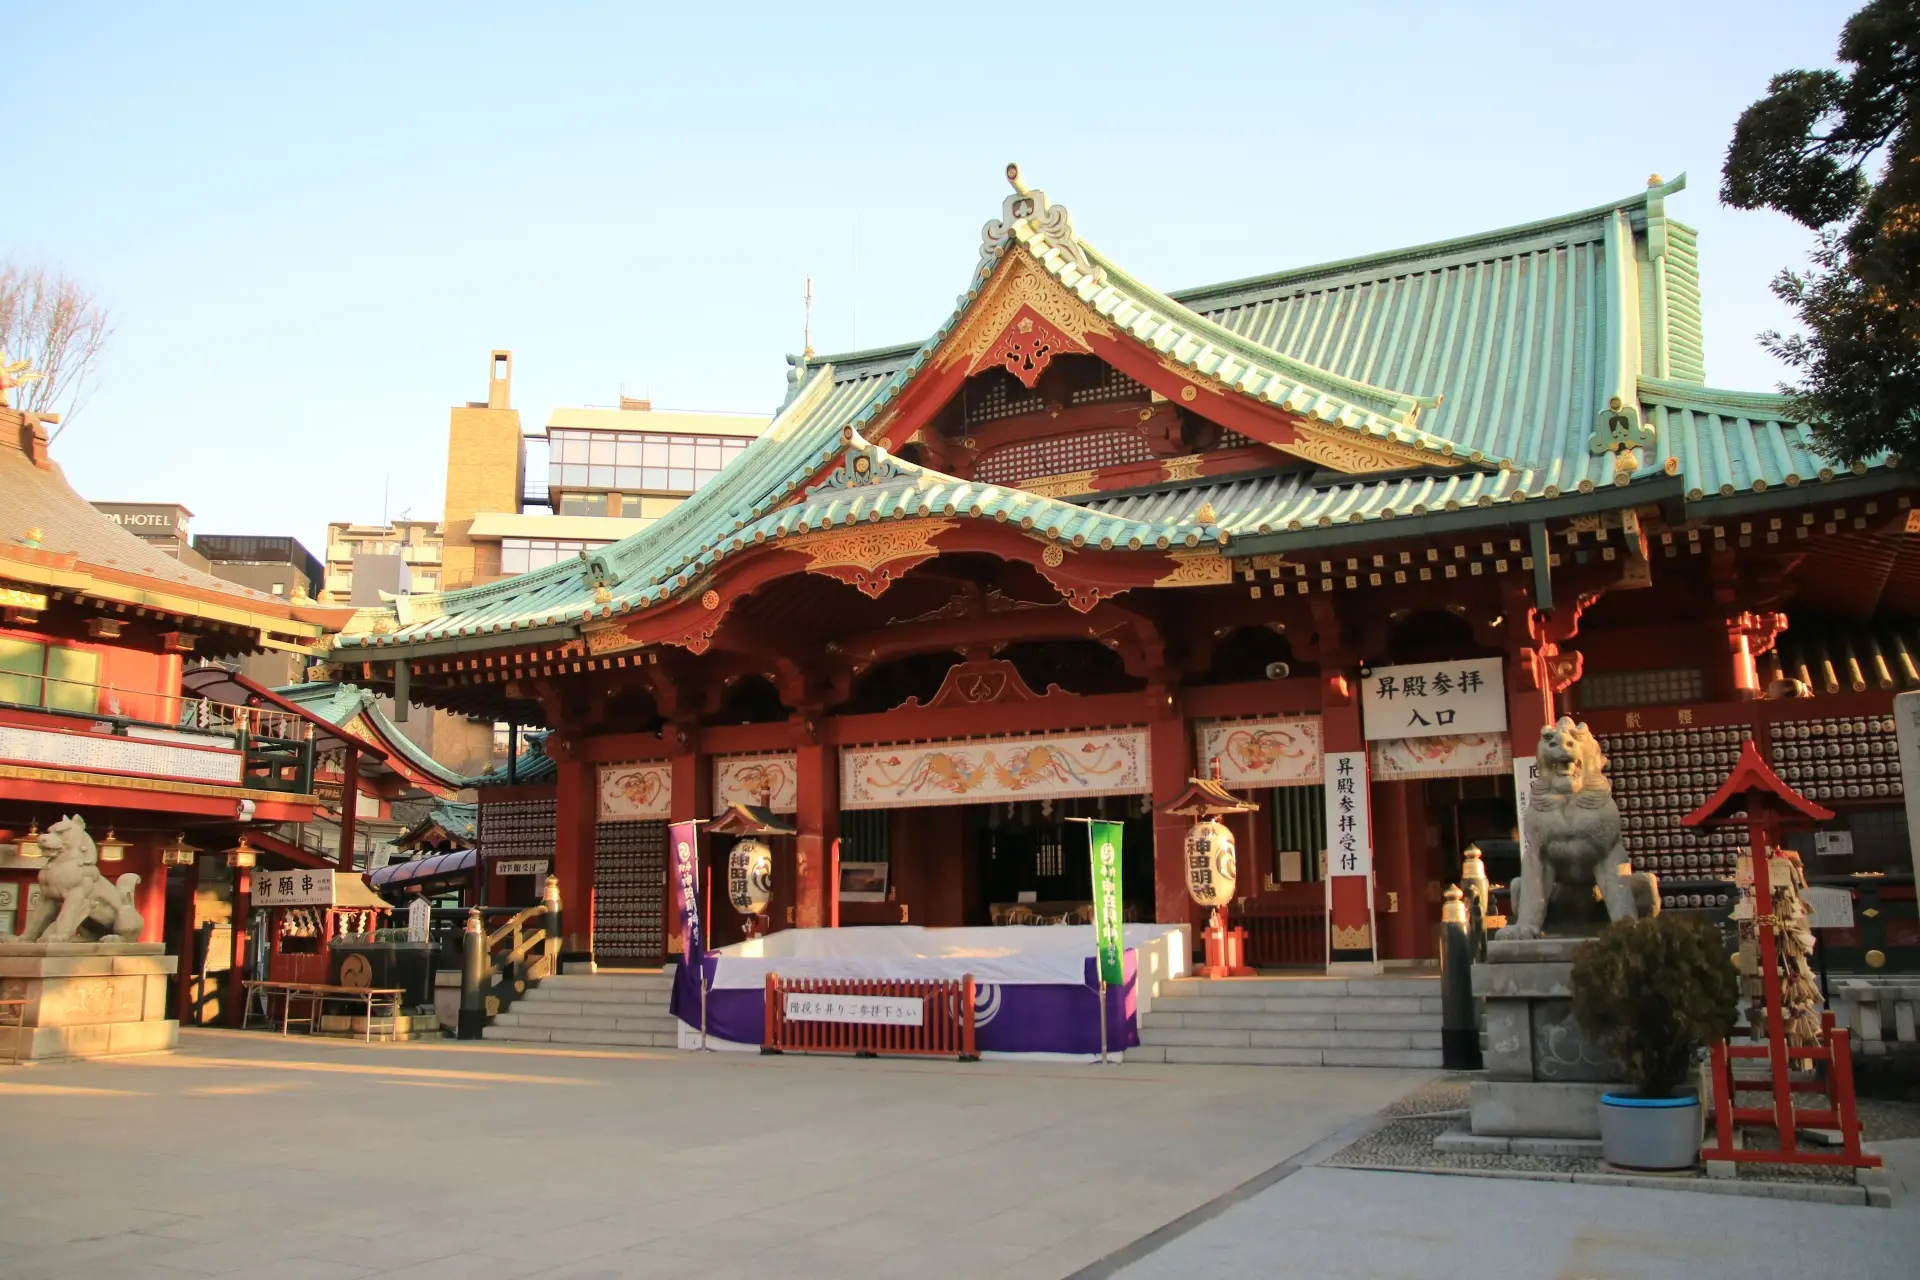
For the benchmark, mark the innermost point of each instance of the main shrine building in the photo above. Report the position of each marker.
(1384, 517)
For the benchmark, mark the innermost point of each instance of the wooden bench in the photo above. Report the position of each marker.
(17, 1021)
(314, 996)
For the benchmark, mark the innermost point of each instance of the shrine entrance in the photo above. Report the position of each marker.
(1029, 865)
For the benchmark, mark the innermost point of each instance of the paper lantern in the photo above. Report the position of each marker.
(111, 848)
(1211, 866)
(750, 876)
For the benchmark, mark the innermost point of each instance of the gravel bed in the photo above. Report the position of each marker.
(1446, 1096)
(1884, 1121)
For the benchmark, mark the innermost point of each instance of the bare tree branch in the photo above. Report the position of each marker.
(50, 320)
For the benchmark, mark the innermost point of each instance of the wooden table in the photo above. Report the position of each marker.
(315, 995)
(19, 1022)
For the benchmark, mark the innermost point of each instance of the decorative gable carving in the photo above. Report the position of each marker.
(974, 684)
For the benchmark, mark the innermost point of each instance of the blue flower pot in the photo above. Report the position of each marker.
(1656, 1134)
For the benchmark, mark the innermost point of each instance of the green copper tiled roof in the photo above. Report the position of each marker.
(338, 703)
(1494, 353)
(530, 766)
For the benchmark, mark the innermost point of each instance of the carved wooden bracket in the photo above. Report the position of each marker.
(1564, 669)
(972, 684)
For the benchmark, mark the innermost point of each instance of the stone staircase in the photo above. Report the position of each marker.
(591, 1009)
(1294, 1022)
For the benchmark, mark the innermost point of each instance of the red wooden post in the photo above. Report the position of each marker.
(349, 805)
(189, 926)
(242, 908)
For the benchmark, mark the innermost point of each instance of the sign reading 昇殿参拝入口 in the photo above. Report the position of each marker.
(1349, 840)
(891, 1011)
(1433, 698)
(1103, 839)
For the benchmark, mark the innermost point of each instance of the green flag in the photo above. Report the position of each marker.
(1103, 840)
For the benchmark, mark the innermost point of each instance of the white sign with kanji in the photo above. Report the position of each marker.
(304, 888)
(1428, 699)
(1349, 831)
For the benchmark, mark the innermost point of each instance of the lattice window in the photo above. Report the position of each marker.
(1113, 385)
(866, 835)
(1299, 831)
(1642, 688)
(629, 892)
(1233, 440)
(1001, 397)
(1056, 454)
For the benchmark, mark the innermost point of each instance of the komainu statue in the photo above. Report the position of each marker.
(1572, 840)
(77, 895)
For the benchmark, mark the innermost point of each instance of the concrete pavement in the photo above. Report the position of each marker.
(250, 1154)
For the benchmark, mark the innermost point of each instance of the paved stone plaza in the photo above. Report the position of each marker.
(255, 1155)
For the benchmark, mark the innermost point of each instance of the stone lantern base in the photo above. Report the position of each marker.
(85, 999)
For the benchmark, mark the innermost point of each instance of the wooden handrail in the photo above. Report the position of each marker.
(514, 924)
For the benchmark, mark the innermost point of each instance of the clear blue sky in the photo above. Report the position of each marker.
(313, 222)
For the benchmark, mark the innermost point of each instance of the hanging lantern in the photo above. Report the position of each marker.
(242, 855)
(178, 853)
(1211, 865)
(750, 876)
(29, 844)
(112, 848)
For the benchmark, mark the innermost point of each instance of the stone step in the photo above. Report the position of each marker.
(523, 1015)
(1294, 988)
(1218, 1055)
(1256, 1006)
(563, 1002)
(625, 986)
(597, 995)
(1255, 1038)
(565, 1035)
(1332, 1020)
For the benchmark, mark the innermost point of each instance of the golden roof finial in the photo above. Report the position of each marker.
(14, 373)
(1205, 515)
(1653, 179)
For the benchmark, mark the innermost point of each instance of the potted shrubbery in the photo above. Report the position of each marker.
(1654, 992)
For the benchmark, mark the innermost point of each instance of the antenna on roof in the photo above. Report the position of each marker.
(806, 325)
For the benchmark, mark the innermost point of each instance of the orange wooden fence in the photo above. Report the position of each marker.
(946, 1028)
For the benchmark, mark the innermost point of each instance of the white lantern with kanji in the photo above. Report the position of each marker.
(750, 876)
(1211, 866)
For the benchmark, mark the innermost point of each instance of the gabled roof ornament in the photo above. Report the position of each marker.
(599, 574)
(1046, 219)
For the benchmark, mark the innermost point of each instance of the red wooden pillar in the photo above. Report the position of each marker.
(349, 805)
(574, 822)
(151, 898)
(188, 972)
(817, 776)
(1170, 752)
(235, 998)
(1400, 861)
(692, 799)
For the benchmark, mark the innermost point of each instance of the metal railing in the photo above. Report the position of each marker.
(498, 965)
(276, 746)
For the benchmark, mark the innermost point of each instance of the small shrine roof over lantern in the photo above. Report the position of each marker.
(1751, 774)
(739, 819)
(1207, 797)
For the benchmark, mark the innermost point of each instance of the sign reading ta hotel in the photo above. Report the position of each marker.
(1429, 699)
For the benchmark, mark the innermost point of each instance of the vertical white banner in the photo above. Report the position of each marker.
(1906, 732)
(1526, 772)
(1349, 827)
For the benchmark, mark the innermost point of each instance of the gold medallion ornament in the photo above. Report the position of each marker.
(710, 600)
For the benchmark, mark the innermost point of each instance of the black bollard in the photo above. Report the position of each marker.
(1459, 1025)
(473, 979)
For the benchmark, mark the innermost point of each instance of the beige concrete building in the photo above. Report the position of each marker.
(414, 544)
(610, 472)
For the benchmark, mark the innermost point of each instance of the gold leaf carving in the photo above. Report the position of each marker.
(1357, 937)
(1019, 282)
(1197, 569)
(1181, 468)
(1066, 484)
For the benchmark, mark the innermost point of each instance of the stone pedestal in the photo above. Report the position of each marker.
(86, 999)
(1543, 1080)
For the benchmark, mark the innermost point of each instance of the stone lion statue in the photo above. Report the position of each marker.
(77, 895)
(1572, 837)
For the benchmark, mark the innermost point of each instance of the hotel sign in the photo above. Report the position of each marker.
(1434, 699)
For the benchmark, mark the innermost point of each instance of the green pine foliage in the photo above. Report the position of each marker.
(1654, 992)
(1806, 150)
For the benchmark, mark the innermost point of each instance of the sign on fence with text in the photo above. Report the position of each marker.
(1428, 699)
(1349, 839)
(891, 1011)
(1103, 839)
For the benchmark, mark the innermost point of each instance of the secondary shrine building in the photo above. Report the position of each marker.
(1373, 522)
